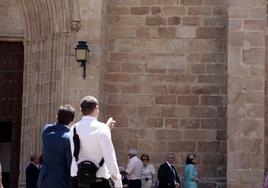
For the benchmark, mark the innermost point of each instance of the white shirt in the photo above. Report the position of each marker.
(95, 144)
(134, 168)
(148, 171)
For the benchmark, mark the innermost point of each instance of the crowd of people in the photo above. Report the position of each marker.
(69, 151)
(69, 155)
(88, 143)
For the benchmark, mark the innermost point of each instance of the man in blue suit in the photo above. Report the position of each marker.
(57, 157)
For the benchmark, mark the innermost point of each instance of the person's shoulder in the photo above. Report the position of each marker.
(103, 128)
(163, 165)
(30, 165)
(74, 126)
(47, 126)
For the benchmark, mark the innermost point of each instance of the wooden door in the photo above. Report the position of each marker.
(11, 80)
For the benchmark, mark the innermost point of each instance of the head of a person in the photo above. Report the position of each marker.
(145, 159)
(89, 106)
(35, 159)
(190, 159)
(66, 114)
(132, 152)
(41, 159)
(170, 158)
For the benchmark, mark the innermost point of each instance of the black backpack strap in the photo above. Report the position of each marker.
(77, 148)
(76, 145)
(101, 162)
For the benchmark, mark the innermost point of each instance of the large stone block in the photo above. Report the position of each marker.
(149, 111)
(211, 33)
(174, 10)
(146, 32)
(188, 100)
(139, 10)
(203, 112)
(181, 146)
(208, 135)
(115, 10)
(186, 32)
(192, 21)
(254, 25)
(155, 21)
(175, 20)
(165, 99)
(254, 56)
(163, 134)
(166, 32)
(191, 2)
(200, 11)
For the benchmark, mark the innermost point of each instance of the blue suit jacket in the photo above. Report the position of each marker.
(57, 157)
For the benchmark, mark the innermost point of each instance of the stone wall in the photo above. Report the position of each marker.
(52, 76)
(159, 67)
(12, 21)
(266, 98)
(246, 93)
(166, 81)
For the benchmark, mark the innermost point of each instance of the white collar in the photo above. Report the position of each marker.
(88, 117)
(168, 163)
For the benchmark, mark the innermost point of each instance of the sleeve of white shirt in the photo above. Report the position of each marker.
(130, 167)
(109, 156)
(73, 165)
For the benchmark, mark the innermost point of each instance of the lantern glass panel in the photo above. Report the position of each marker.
(81, 54)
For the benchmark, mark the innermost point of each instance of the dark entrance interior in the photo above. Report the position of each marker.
(11, 80)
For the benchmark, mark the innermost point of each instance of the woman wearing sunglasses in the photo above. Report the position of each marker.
(148, 172)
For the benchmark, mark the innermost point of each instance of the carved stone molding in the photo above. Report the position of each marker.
(75, 25)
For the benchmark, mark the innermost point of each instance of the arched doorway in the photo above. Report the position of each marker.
(11, 84)
(50, 35)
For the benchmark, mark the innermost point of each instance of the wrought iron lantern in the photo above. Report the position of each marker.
(81, 54)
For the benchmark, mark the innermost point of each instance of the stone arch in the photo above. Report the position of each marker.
(48, 53)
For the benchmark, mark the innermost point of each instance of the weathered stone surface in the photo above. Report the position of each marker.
(139, 10)
(12, 19)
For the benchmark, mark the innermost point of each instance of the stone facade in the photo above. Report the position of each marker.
(166, 81)
(182, 76)
(246, 93)
(12, 21)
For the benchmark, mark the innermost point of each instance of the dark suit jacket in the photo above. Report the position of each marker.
(166, 176)
(57, 157)
(32, 173)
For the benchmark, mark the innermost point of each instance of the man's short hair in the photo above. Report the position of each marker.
(66, 114)
(88, 105)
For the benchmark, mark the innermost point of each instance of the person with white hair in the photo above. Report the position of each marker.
(134, 169)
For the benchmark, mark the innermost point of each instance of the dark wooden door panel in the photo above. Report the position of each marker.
(11, 79)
